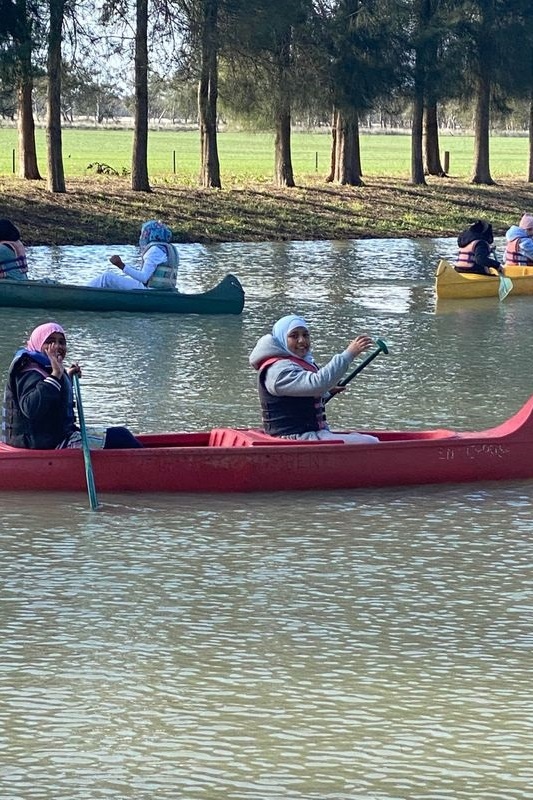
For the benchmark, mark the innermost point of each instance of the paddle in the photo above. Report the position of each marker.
(381, 348)
(506, 286)
(91, 489)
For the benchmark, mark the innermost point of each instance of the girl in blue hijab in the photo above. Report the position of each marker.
(159, 268)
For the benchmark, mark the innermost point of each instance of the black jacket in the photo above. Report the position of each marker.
(482, 255)
(38, 410)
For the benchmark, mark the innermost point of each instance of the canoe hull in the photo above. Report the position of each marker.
(453, 285)
(229, 460)
(225, 298)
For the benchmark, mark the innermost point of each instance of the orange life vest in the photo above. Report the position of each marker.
(465, 256)
(514, 256)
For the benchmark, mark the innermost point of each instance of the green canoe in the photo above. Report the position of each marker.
(225, 298)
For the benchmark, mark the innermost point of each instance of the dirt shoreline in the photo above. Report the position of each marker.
(106, 211)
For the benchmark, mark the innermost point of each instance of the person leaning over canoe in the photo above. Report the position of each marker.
(519, 239)
(13, 263)
(38, 410)
(476, 250)
(293, 389)
(159, 268)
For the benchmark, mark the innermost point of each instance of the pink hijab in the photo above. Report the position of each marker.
(40, 335)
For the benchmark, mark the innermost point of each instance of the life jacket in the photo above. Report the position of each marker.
(20, 431)
(165, 275)
(283, 416)
(465, 256)
(513, 255)
(13, 263)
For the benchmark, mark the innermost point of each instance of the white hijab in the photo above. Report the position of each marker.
(283, 327)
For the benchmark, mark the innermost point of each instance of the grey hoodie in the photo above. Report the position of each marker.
(285, 378)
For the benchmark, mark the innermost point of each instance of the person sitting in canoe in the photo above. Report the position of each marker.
(38, 411)
(476, 250)
(13, 263)
(293, 389)
(159, 268)
(519, 243)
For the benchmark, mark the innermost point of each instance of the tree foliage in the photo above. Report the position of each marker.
(267, 63)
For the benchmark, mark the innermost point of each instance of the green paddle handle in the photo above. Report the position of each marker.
(89, 476)
(381, 348)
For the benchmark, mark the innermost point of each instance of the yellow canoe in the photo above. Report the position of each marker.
(453, 285)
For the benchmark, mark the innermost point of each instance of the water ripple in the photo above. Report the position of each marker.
(321, 646)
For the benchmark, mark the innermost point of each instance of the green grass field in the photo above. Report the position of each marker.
(173, 156)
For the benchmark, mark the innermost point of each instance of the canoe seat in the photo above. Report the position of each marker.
(233, 437)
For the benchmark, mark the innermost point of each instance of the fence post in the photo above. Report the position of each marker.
(316, 161)
(13, 161)
(446, 161)
(174, 161)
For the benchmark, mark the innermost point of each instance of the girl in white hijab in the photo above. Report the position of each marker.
(293, 389)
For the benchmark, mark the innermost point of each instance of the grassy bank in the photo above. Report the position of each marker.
(105, 211)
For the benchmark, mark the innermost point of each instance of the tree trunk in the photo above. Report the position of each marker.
(347, 150)
(334, 123)
(430, 139)
(28, 167)
(56, 175)
(481, 130)
(530, 137)
(208, 96)
(139, 163)
(417, 160)
(283, 173)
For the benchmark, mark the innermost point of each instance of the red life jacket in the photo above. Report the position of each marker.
(513, 255)
(300, 361)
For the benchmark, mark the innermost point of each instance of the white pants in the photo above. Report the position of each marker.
(350, 438)
(111, 279)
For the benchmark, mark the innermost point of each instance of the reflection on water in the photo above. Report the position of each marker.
(371, 644)
(171, 648)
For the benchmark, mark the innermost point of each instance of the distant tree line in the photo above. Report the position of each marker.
(270, 64)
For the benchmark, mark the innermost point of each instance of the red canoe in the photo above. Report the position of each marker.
(233, 460)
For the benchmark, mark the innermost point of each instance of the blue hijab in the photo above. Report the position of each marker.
(154, 231)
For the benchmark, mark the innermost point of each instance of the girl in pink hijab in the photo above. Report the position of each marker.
(39, 336)
(38, 411)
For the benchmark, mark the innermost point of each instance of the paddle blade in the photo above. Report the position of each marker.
(506, 286)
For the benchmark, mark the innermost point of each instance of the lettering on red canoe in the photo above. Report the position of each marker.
(474, 452)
